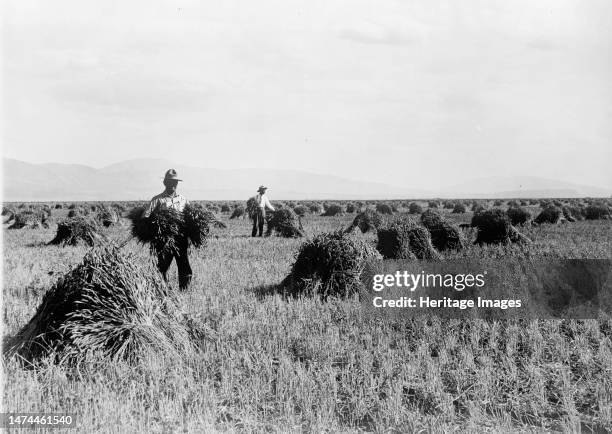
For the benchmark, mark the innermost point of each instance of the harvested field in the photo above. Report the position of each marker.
(260, 362)
(108, 305)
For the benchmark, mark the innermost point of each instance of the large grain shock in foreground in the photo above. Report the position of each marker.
(110, 305)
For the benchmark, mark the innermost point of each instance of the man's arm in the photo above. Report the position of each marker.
(148, 210)
(268, 205)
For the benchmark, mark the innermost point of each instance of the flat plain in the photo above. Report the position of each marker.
(300, 364)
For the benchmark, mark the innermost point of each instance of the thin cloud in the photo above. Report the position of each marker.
(135, 93)
(544, 44)
(370, 33)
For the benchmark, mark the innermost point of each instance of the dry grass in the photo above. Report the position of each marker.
(303, 365)
(109, 305)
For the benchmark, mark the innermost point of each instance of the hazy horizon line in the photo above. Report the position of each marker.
(454, 185)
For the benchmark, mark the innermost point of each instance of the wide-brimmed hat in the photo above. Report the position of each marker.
(262, 188)
(171, 174)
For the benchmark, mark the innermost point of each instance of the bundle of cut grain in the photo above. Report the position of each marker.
(206, 215)
(238, 212)
(75, 212)
(445, 235)
(415, 208)
(567, 215)
(119, 208)
(384, 208)
(111, 306)
(459, 208)
(8, 214)
(166, 229)
(71, 231)
(107, 216)
(197, 223)
(518, 215)
(314, 208)
(329, 264)
(574, 212)
(300, 210)
(252, 208)
(550, 214)
(494, 227)
(163, 230)
(597, 211)
(284, 223)
(332, 209)
(513, 204)
(366, 221)
(29, 220)
(402, 238)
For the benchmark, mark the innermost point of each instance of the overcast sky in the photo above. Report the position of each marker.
(413, 93)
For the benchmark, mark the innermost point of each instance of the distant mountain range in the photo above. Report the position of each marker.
(523, 187)
(141, 179)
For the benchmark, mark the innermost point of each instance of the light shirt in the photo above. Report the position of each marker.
(262, 201)
(166, 201)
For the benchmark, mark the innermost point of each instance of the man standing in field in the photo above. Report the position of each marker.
(262, 202)
(169, 199)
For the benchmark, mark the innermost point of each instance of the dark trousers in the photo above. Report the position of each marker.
(164, 260)
(258, 222)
